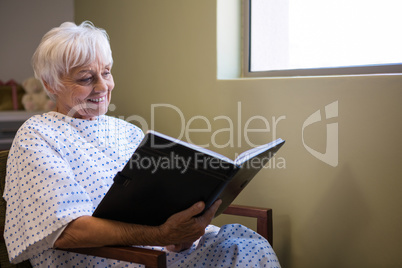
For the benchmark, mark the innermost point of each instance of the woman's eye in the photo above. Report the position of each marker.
(86, 79)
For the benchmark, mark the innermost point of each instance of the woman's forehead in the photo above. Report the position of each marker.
(93, 66)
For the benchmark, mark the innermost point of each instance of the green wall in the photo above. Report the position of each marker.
(324, 216)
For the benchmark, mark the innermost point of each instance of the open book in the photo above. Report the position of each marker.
(166, 175)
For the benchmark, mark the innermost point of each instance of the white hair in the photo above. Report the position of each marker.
(69, 46)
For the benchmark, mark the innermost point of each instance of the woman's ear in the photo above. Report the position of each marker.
(48, 88)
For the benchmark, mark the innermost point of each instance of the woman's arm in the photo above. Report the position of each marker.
(180, 230)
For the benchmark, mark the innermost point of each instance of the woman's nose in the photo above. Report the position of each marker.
(101, 85)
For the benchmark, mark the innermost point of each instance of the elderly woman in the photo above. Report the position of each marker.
(62, 163)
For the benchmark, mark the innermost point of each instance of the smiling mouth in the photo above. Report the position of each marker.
(98, 100)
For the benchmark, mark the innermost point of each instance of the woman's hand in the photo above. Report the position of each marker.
(179, 231)
(183, 228)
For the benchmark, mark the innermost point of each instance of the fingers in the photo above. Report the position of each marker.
(191, 212)
(210, 212)
(185, 227)
(174, 248)
(196, 209)
(179, 247)
(215, 206)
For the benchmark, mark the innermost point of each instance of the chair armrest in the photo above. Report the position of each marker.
(148, 257)
(263, 215)
(155, 258)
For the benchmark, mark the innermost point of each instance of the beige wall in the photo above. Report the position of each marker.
(343, 216)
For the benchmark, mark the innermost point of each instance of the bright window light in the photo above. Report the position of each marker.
(308, 34)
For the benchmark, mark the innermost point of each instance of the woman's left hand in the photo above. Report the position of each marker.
(179, 247)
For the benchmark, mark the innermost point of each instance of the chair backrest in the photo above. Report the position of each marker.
(3, 165)
(4, 262)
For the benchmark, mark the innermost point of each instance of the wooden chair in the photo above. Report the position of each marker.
(147, 257)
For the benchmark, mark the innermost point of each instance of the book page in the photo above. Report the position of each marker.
(192, 146)
(243, 157)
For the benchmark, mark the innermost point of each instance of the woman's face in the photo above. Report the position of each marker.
(86, 91)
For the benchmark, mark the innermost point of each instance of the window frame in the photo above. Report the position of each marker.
(326, 71)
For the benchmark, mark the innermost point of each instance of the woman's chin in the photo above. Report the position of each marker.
(91, 115)
(95, 109)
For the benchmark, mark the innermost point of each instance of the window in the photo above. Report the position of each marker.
(322, 37)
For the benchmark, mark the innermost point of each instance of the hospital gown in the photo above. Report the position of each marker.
(60, 168)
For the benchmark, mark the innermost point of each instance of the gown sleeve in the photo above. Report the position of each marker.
(42, 195)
